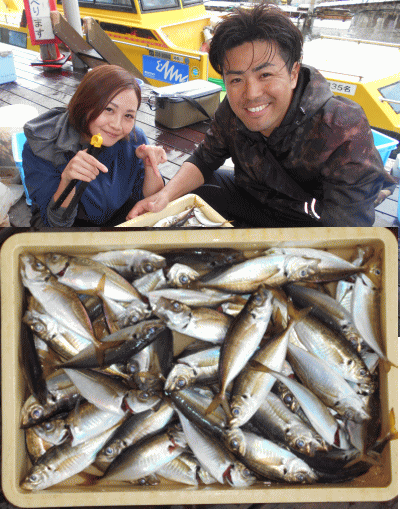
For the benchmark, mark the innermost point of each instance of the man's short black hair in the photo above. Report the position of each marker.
(265, 22)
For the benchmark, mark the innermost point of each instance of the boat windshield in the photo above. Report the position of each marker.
(158, 5)
(114, 4)
(392, 93)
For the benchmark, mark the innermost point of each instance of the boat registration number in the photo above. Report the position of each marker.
(342, 88)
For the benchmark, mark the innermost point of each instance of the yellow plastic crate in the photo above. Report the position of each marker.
(378, 484)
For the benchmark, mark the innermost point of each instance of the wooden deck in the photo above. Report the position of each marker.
(46, 89)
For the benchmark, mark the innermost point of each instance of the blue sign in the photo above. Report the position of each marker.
(165, 70)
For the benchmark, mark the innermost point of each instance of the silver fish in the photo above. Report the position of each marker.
(331, 267)
(133, 429)
(180, 275)
(327, 309)
(267, 459)
(140, 460)
(203, 298)
(276, 422)
(198, 367)
(317, 412)
(62, 396)
(89, 276)
(272, 270)
(242, 339)
(62, 462)
(150, 282)
(327, 384)
(251, 387)
(174, 220)
(88, 421)
(221, 464)
(201, 323)
(103, 391)
(61, 302)
(187, 470)
(131, 262)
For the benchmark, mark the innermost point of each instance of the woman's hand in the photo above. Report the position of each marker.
(152, 156)
(82, 166)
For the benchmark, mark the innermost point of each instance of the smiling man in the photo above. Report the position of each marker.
(302, 157)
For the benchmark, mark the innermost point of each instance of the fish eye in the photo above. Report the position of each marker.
(33, 478)
(301, 477)
(181, 383)
(176, 305)
(300, 443)
(38, 327)
(303, 273)
(144, 396)
(235, 444)
(363, 372)
(148, 267)
(39, 265)
(37, 413)
(133, 367)
(288, 399)
(109, 451)
(142, 481)
(258, 299)
(48, 426)
(235, 412)
(183, 279)
(247, 472)
(377, 272)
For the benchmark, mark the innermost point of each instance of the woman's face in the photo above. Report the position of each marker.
(117, 119)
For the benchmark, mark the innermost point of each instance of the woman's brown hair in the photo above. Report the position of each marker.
(96, 90)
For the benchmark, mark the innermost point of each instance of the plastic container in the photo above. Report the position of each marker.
(175, 104)
(384, 144)
(176, 206)
(17, 144)
(379, 484)
(7, 67)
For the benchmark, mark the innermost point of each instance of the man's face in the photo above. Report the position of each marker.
(258, 85)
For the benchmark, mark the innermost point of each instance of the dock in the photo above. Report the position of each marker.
(45, 89)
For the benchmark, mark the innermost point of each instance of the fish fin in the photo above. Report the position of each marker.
(88, 479)
(215, 403)
(101, 286)
(257, 366)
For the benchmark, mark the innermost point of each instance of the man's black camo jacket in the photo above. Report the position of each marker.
(323, 149)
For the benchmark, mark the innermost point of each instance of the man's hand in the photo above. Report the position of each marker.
(153, 203)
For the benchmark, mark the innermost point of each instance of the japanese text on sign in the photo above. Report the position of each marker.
(342, 88)
(41, 22)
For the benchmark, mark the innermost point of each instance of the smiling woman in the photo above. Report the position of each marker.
(55, 153)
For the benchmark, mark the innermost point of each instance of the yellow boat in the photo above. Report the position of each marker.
(366, 72)
(162, 38)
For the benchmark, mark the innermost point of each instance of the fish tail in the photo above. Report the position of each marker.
(387, 364)
(297, 314)
(366, 458)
